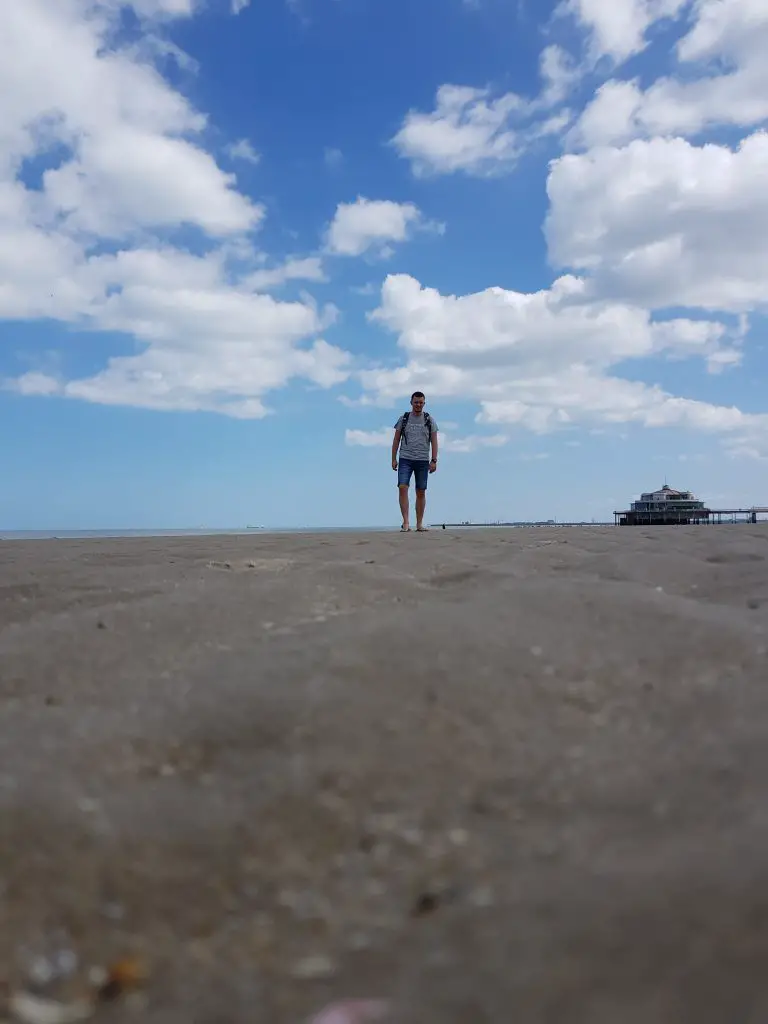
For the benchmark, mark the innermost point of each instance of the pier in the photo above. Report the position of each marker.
(698, 517)
(668, 507)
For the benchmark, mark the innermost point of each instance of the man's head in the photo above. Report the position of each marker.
(417, 402)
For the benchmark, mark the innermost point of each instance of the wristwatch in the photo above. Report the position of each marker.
(433, 460)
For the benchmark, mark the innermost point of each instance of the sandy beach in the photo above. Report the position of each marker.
(491, 776)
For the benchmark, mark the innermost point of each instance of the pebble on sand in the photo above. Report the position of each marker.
(314, 968)
(354, 1011)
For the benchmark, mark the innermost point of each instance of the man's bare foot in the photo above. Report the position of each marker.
(422, 529)
(405, 528)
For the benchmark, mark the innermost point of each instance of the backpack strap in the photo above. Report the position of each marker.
(403, 425)
(428, 422)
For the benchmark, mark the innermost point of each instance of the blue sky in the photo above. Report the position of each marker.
(235, 236)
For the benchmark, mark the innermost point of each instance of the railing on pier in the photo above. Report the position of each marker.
(690, 517)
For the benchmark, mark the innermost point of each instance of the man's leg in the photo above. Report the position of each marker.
(404, 510)
(421, 504)
(404, 472)
(421, 471)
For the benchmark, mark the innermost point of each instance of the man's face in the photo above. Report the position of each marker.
(417, 404)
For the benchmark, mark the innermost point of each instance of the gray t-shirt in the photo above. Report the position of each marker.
(415, 445)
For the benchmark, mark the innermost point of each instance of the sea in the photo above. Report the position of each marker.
(201, 531)
(204, 531)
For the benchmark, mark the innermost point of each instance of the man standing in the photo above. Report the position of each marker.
(416, 436)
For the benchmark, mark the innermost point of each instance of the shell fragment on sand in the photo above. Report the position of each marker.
(31, 1009)
(354, 1011)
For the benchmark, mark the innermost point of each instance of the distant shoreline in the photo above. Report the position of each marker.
(517, 525)
(8, 535)
(20, 535)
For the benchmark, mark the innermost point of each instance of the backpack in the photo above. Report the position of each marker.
(427, 424)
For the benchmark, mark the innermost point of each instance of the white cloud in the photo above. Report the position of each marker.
(473, 132)
(559, 74)
(150, 8)
(679, 339)
(727, 45)
(204, 344)
(243, 150)
(239, 5)
(554, 328)
(152, 46)
(372, 224)
(468, 131)
(309, 268)
(733, 29)
(161, 378)
(578, 395)
(128, 179)
(369, 438)
(542, 361)
(364, 290)
(610, 119)
(125, 160)
(333, 158)
(618, 28)
(471, 443)
(654, 221)
(666, 223)
(35, 383)
(120, 127)
(460, 445)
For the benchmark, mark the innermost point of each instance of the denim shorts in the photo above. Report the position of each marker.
(420, 467)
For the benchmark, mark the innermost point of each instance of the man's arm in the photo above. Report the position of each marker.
(434, 446)
(395, 444)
